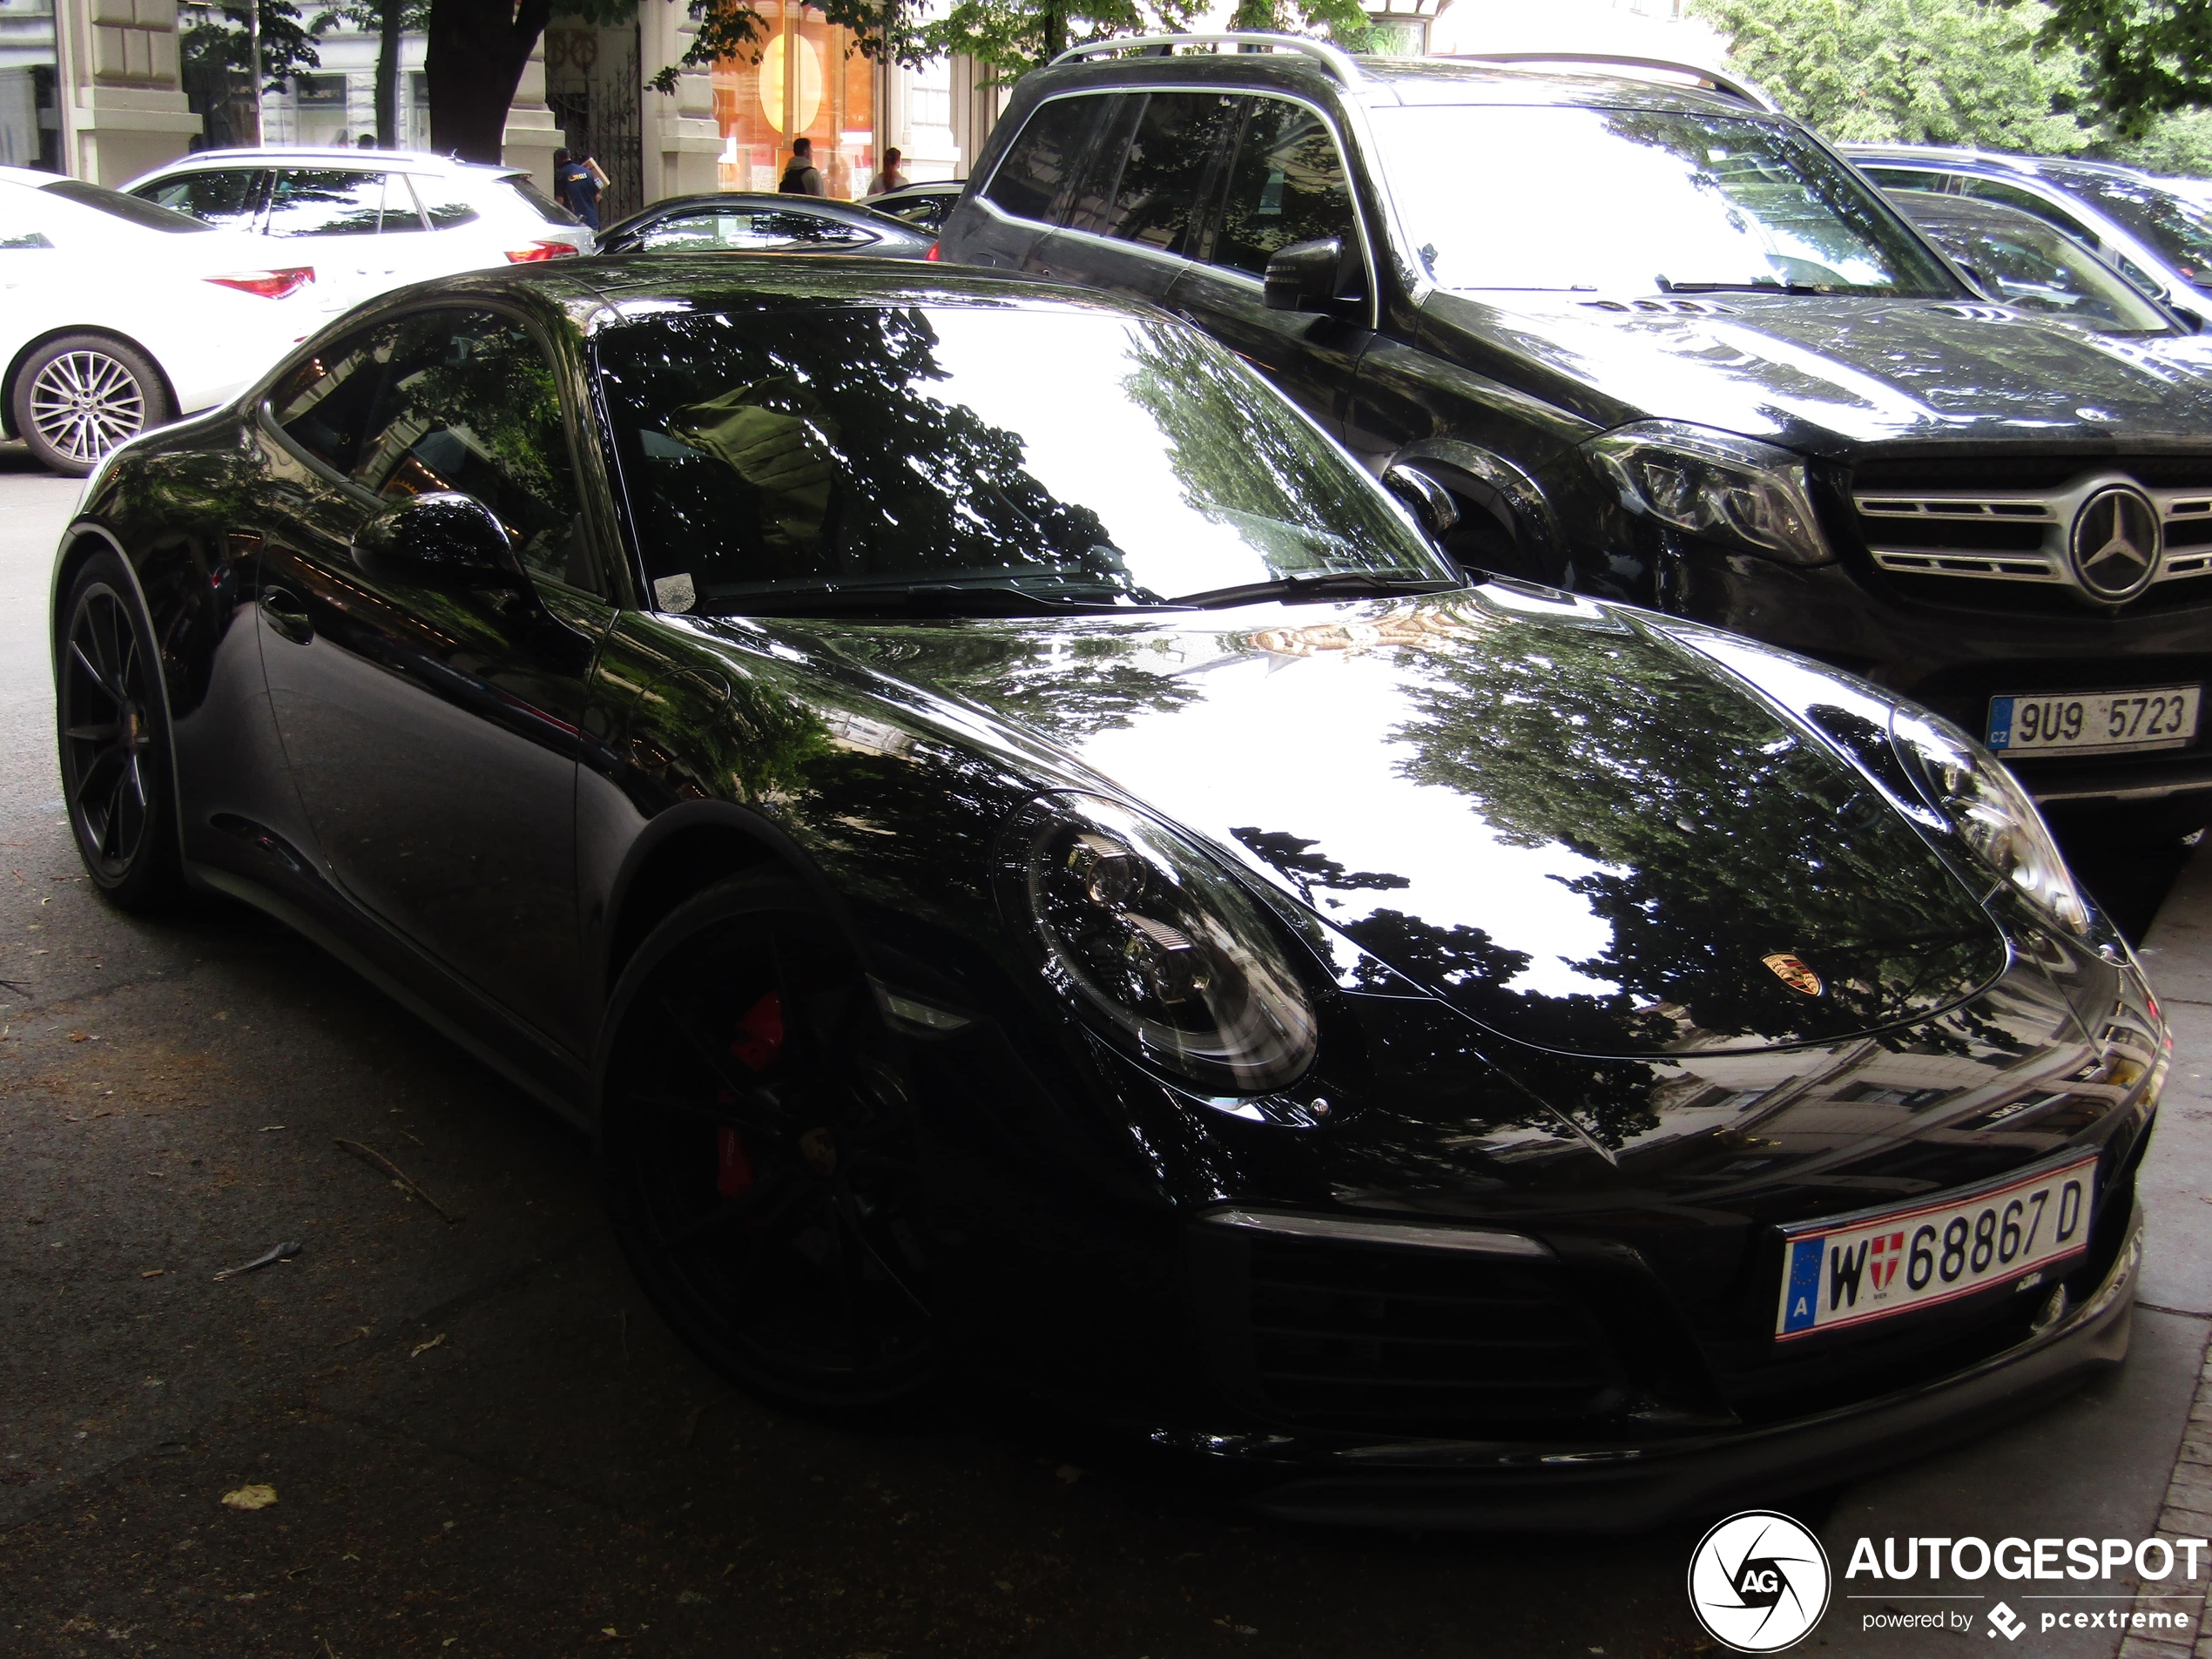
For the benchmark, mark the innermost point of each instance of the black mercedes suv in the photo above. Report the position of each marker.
(1654, 343)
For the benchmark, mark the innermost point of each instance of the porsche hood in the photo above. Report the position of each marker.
(1543, 811)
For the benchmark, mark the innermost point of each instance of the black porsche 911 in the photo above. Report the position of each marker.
(1031, 865)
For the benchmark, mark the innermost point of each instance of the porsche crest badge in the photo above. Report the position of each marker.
(1793, 972)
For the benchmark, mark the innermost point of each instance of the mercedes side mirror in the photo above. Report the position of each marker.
(1310, 276)
(1431, 502)
(440, 539)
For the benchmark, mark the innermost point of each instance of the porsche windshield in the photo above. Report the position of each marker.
(1638, 202)
(975, 457)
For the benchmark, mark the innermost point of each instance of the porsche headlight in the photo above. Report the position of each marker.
(1715, 484)
(1153, 940)
(1990, 812)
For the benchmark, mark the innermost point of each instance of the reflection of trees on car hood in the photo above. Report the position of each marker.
(1566, 826)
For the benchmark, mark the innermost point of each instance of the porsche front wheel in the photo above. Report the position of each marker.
(759, 1151)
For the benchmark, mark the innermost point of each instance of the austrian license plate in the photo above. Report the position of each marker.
(2098, 722)
(1869, 1268)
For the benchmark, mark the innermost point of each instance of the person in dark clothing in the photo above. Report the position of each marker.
(802, 177)
(575, 186)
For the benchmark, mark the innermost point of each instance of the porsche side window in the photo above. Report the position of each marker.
(468, 402)
(1288, 186)
(1036, 168)
(323, 405)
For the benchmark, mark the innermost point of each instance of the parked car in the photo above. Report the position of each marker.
(2030, 263)
(1663, 347)
(1049, 879)
(923, 206)
(371, 219)
(116, 316)
(764, 224)
(2159, 239)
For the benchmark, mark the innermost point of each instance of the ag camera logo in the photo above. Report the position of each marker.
(1758, 1581)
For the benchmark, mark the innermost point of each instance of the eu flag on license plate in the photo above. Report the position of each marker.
(1803, 1306)
(2000, 722)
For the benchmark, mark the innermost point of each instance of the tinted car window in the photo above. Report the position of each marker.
(756, 232)
(1164, 167)
(1287, 186)
(923, 212)
(1640, 201)
(328, 202)
(1907, 178)
(2037, 267)
(446, 400)
(442, 201)
(837, 453)
(145, 214)
(1036, 165)
(1996, 190)
(225, 196)
(2178, 229)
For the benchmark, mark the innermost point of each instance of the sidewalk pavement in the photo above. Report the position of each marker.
(2128, 1456)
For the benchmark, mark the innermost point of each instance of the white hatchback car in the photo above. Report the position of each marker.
(370, 219)
(117, 315)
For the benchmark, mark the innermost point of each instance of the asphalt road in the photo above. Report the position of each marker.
(482, 1442)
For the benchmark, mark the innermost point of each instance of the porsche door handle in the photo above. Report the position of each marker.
(286, 616)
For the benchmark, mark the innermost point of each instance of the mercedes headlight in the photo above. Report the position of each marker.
(1715, 484)
(1157, 945)
(1971, 790)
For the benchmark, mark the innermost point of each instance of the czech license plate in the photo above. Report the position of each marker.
(1844, 1273)
(2106, 722)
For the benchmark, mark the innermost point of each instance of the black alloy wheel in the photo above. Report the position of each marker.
(76, 398)
(114, 752)
(759, 1151)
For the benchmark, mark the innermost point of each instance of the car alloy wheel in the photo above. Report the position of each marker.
(79, 397)
(114, 770)
(759, 1153)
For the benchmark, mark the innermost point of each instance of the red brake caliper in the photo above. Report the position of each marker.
(759, 1040)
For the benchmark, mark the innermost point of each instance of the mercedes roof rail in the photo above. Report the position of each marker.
(1337, 61)
(1719, 80)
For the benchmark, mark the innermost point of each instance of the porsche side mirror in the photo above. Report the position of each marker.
(1432, 503)
(441, 539)
(1309, 276)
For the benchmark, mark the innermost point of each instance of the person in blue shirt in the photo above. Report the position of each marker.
(575, 186)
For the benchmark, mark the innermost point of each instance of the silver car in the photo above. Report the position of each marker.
(2160, 240)
(370, 219)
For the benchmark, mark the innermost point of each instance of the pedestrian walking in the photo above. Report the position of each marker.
(575, 186)
(802, 177)
(890, 178)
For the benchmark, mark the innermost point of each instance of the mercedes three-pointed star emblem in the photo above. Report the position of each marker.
(2115, 544)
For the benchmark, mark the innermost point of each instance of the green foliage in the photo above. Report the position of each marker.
(414, 16)
(214, 37)
(1911, 71)
(2065, 77)
(2143, 58)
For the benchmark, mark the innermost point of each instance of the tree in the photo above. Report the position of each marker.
(2144, 58)
(216, 35)
(390, 19)
(1911, 71)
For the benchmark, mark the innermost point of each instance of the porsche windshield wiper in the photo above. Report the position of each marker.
(1322, 584)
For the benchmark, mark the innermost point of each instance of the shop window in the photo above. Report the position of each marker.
(810, 81)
